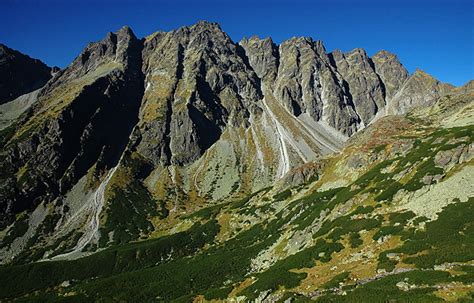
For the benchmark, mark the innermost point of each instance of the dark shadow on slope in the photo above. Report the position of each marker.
(382, 85)
(208, 132)
(93, 129)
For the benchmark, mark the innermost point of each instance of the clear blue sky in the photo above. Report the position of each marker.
(436, 36)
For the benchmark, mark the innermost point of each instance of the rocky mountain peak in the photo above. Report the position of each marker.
(126, 31)
(421, 75)
(263, 56)
(419, 90)
(115, 52)
(358, 56)
(304, 42)
(201, 33)
(468, 86)
(82, 118)
(20, 74)
(391, 71)
(197, 82)
(205, 25)
(385, 56)
(3, 50)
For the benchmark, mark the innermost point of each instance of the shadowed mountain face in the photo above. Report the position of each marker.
(187, 133)
(82, 118)
(20, 74)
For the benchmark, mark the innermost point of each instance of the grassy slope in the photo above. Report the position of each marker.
(357, 244)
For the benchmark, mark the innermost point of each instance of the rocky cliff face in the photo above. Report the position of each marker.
(365, 88)
(196, 85)
(186, 117)
(391, 72)
(20, 74)
(420, 90)
(82, 118)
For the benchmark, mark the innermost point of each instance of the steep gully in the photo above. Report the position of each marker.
(94, 205)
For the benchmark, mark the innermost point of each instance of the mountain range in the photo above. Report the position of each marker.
(184, 166)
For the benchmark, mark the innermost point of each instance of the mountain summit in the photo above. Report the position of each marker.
(20, 74)
(287, 153)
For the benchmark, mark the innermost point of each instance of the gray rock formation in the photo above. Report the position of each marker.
(263, 57)
(196, 84)
(305, 80)
(362, 83)
(392, 73)
(420, 90)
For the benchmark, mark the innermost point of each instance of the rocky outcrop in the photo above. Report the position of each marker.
(307, 83)
(20, 74)
(263, 56)
(420, 90)
(392, 73)
(196, 84)
(363, 84)
(301, 75)
(306, 173)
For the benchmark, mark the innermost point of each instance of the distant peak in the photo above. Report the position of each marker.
(469, 84)
(319, 46)
(125, 31)
(385, 54)
(299, 39)
(422, 73)
(302, 40)
(200, 26)
(421, 76)
(258, 40)
(357, 51)
(252, 38)
(203, 24)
